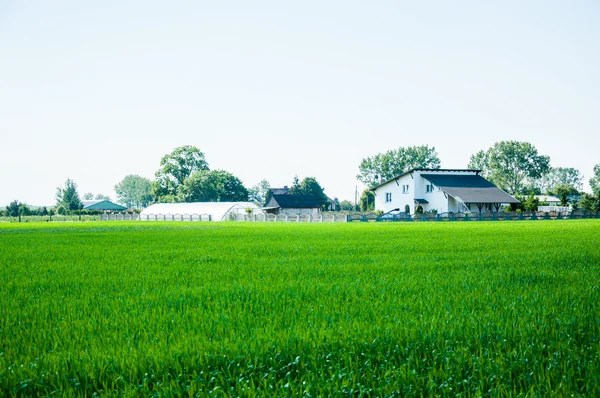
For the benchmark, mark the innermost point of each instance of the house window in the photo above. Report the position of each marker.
(404, 188)
(429, 188)
(388, 197)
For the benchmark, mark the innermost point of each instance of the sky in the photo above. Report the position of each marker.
(94, 91)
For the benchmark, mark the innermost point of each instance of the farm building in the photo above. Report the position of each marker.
(292, 204)
(215, 211)
(330, 205)
(102, 205)
(442, 190)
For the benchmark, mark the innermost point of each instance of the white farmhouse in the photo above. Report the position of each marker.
(442, 190)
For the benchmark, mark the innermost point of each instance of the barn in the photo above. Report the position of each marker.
(292, 204)
(213, 211)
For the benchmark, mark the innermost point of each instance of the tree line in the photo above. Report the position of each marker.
(183, 176)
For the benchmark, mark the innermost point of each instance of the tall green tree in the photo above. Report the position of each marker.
(595, 180)
(310, 186)
(510, 164)
(295, 185)
(367, 200)
(12, 210)
(212, 186)
(589, 202)
(100, 196)
(387, 165)
(134, 191)
(88, 196)
(346, 205)
(559, 176)
(259, 192)
(563, 191)
(175, 167)
(68, 197)
(480, 161)
(229, 187)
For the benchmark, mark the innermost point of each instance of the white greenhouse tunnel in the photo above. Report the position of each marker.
(218, 211)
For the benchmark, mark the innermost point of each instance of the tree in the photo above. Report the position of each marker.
(88, 196)
(510, 164)
(229, 187)
(367, 200)
(295, 185)
(531, 203)
(175, 167)
(134, 191)
(480, 161)
(259, 192)
(563, 191)
(595, 180)
(559, 176)
(212, 186)
(589, 202)
(102, 197)
(12, 210)
(346, 205)
(385, 166)
(67, 196)
(24, 210)
(310, 186)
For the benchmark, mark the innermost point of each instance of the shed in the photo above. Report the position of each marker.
(218, 211)
(292, 204)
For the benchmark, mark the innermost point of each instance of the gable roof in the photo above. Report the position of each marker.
(101, 205)
(293, 201)
(470, 188)
(476, 171)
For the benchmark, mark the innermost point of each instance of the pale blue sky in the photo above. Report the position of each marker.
(97, 90)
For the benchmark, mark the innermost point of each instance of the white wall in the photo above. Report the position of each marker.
(399, 199)
(417, 190)
(300, 211)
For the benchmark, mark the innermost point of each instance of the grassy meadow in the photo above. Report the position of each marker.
(373, 309)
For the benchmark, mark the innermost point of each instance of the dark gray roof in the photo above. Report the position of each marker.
(102, 205)
(293, 201)
(476, 171)
(470, 188)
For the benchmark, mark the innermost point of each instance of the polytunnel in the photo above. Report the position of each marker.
(213, 211)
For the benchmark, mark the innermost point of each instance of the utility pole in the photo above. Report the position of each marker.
(356, 197)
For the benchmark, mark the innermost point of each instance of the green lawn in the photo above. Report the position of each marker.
(500, 308)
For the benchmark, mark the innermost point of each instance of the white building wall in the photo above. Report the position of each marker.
(417, 190)
(399, 199)
(292, 211)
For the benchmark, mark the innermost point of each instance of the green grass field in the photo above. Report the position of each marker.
(221, 309)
